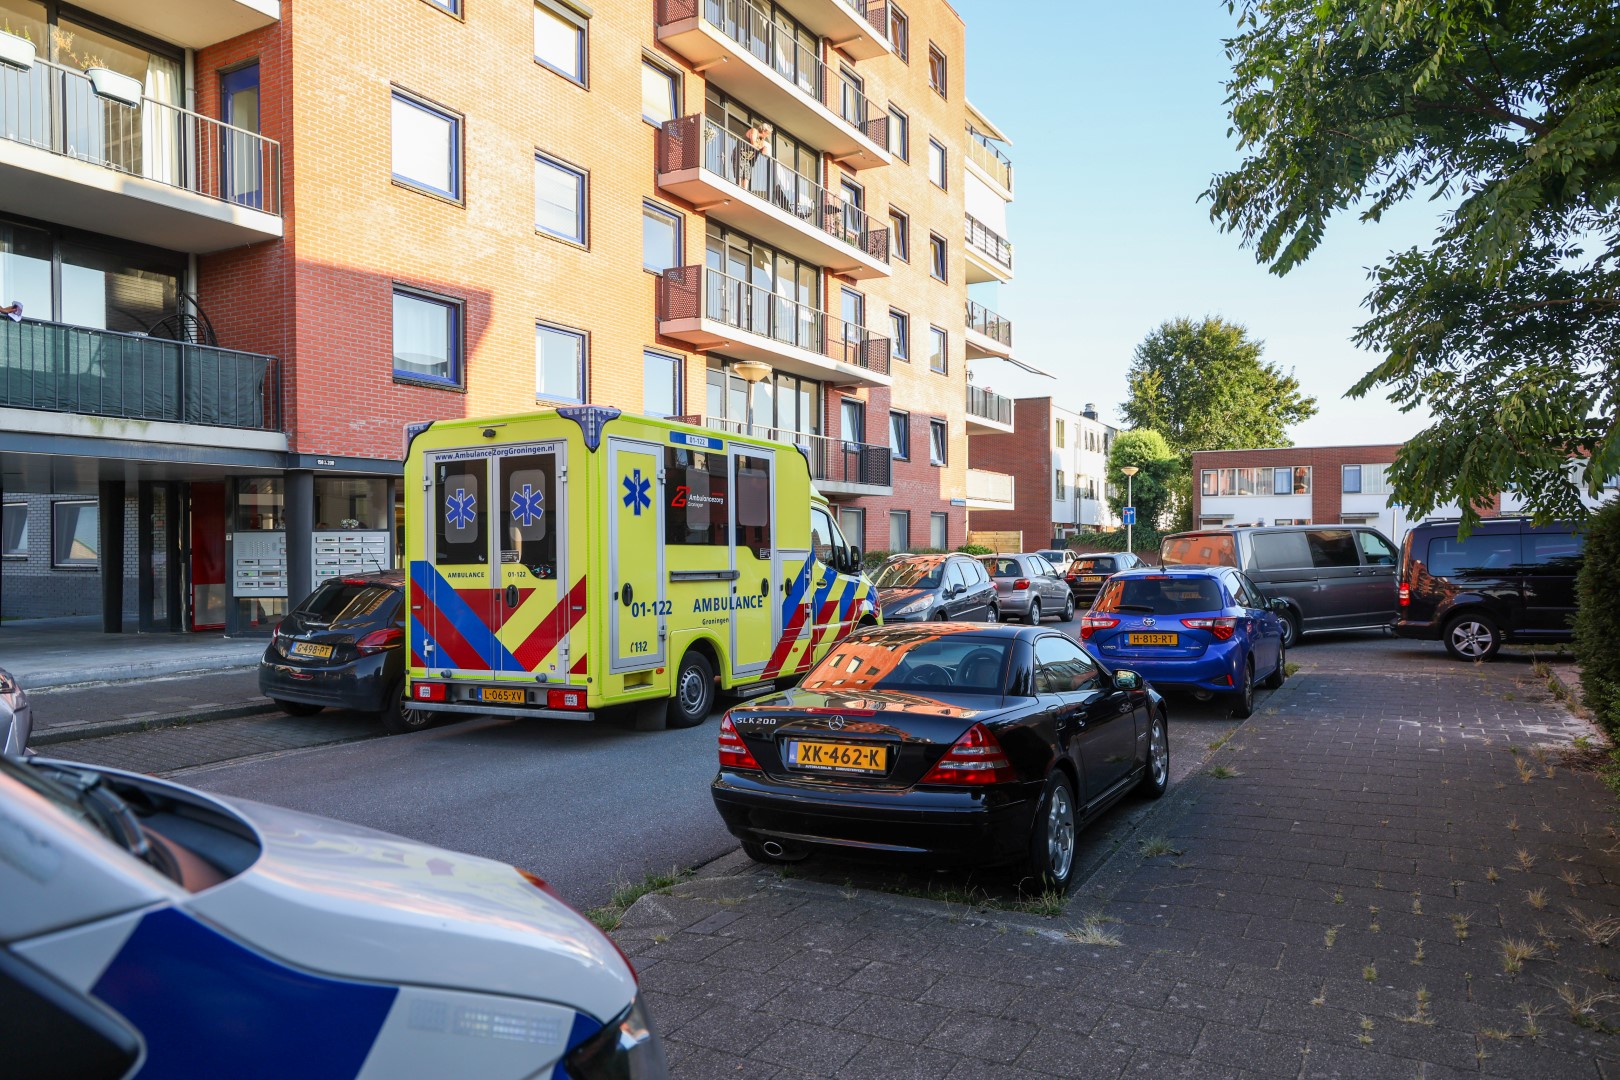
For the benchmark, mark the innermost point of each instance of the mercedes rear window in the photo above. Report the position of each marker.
(1200, 549)
(941, 663)
(1161, 594)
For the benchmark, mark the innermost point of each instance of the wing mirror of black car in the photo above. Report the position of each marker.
(1127, 680)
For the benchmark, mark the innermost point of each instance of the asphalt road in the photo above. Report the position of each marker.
(585, 806)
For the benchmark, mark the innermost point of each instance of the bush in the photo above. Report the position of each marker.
(975, 549)
(1597, 617)
(1146, 540)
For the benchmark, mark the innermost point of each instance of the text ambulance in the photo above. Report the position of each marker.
(570, 560)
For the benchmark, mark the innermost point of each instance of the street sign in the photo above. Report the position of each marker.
(958, 502)
(1128, 515)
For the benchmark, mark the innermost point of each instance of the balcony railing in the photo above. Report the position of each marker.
(986, 486)
(838, 461)
(55, 108)
(987, 157)
(988, 323)
(76, 369)
(875, 12)
(990, 406)
(691, 142)
(756, 32)
(987, 240)
(694, 292)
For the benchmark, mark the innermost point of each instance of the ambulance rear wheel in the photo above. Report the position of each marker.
(694, 691)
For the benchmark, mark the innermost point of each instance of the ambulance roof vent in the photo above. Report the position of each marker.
(591, 419)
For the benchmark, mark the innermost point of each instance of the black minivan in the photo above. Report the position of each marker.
(1508, 581)
(1332, 577)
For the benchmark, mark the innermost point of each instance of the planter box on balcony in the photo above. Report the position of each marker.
(114, 85)
(17, 52)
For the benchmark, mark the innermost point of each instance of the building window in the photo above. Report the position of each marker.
(1062, 434)
(660, 93)
(899, 134)
(427, 337)
(559, 199)
(936, 165)
(937, 443)
(1366, 480)
(1352, 479)
(900, 335)
(852, 523)
(852, 414)
(1062, 490)
(14, 530)
(899, 530)
(559, 40)
(900, 33)
(900, 435)
(1296, 480)
(938, 257)
(937, 73)
(661, 384)
(660, 238)
(1287, 480)
(452, 6)
(75, 533)
(939, 531)
(899, 235)
(559, 363)
(939, 344)
(426, 146)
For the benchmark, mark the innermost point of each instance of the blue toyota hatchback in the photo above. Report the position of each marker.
(1204, 629)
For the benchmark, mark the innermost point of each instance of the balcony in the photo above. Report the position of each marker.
(738, 48)
(989, 163)
(988, 334)
(155, 174)
(857, 28)
(59, 368)
(988, 413)
(193, 24)
(838, 466)
(989, 254)
(709, 310)
(706, 165)
(989, 490)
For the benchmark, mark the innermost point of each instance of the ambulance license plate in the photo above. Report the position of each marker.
(1153, 639)
(840, 756)
(309, 648)
(502, 696)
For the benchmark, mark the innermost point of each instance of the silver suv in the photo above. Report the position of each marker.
(1333, 577)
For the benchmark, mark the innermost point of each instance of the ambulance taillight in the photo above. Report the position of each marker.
(429, 691)
(565, 699)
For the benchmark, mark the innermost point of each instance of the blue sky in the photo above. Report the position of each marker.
(1116, 116)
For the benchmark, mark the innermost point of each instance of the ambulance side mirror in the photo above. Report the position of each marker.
(852, 560)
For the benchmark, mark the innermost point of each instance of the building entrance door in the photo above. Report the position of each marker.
(209, 584)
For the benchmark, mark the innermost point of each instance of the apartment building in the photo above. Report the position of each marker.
(254, 240)
(1054, 463)
(1313, 485)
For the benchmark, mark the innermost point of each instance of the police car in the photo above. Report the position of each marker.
(149, 930)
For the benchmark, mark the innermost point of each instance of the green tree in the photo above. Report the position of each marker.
(1597, 617)
(1154, 487)
(1506, 326)
(1204, 386)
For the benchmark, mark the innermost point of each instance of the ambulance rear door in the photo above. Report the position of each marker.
(534, 608)
(452, 588)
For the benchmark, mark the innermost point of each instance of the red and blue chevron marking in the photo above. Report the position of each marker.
(460, 637)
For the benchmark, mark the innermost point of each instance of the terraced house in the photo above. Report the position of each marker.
(253, 240)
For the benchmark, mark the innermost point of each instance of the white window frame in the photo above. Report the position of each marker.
(543, 160)
(582, 26)
(454, 120)
(581, 367)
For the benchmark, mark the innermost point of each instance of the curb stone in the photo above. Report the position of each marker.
(95, 729)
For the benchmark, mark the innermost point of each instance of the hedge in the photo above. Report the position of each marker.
(1597, 617)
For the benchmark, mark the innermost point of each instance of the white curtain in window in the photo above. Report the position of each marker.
(162, 133)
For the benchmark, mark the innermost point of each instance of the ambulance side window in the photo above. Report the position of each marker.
(824, 538)
(753, 504)
(460, 512)
(695, 488)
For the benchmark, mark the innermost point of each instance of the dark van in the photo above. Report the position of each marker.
(1508, 581)
(1333, 577)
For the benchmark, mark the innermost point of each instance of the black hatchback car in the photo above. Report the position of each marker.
(344, 646)
(1508, 581)
(953, 743)
(1087, 573)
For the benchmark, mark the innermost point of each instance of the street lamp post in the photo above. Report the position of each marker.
(1130, 472)
(751, 372)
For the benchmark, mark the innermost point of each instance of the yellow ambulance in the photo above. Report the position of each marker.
(566, 561)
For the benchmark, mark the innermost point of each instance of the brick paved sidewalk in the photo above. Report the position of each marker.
(1400, 879)
(164, 751)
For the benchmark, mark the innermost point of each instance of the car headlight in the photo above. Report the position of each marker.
(626, 1049)
(919, 604)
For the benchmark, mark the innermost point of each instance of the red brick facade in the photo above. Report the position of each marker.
(1027, 455)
